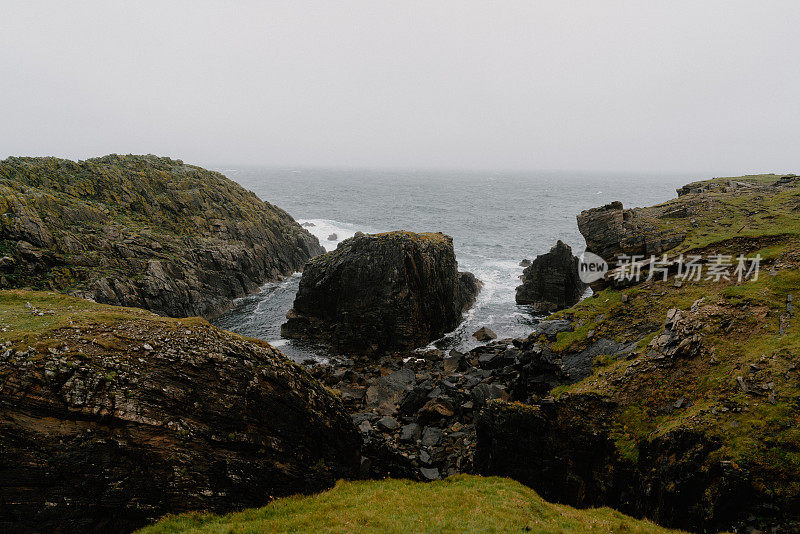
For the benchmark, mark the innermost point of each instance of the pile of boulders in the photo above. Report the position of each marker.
(416, 411)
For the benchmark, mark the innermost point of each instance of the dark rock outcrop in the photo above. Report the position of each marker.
(121, 416)
(566, 451)
(142, 231)
(397, 290)
(611, 231)
(551, 282)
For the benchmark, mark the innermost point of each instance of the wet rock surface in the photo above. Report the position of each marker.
(551, 281)
(381, 292)
(142, 231)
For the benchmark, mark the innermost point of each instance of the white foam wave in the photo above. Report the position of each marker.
(323, 229)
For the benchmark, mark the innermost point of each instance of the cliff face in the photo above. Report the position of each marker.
(611, 231)
(141, 231)
(679, 400)
(551, 282)
(111, 417)
(380, 292)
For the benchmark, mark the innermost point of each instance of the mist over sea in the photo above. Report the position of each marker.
(495, 218)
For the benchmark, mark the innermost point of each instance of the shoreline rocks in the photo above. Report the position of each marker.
(551, 282)
(392, 291)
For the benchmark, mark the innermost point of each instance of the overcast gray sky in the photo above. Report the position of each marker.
(710, 87)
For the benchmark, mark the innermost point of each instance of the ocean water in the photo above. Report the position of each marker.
(495, 218)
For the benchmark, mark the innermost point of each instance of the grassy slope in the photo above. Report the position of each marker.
(27, 317)
(740, 329)
(458, 504)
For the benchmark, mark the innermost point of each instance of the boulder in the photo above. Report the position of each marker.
(484, 333)
(333, 237)
(551, 282)
(386, 393)
(99, 433)
(381, 292)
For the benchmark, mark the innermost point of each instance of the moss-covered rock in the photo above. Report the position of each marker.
(111, 417)
(379, 292)
(141, 231)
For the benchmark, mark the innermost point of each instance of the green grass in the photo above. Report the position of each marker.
(21, 324)
(740, 329)
(458, 504)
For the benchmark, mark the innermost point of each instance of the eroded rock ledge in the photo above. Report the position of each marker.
(379, 292)
(112, 417)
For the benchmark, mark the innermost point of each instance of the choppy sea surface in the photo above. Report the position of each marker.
(495, 218)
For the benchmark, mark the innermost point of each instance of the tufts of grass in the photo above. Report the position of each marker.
(458, 504)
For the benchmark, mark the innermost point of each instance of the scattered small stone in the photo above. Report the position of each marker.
(388, 423)
(742, 384)
(365, 426)
(430, 473)
(410, 432)
(431, 436)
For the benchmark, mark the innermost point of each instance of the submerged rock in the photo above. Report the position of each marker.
(551, 282)
(99, 433)
(379, 292)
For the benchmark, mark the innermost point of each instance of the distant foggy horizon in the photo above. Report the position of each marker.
(699, 89)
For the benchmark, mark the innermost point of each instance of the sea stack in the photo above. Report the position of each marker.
(379, 292)
(551, 282)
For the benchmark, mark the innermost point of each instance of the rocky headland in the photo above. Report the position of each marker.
(682, 397)
(142, 231)
(381, 292)
(111, 417)
(551, 281)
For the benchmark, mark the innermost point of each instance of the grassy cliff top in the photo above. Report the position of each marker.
(424, 236)
(163, 194)
(31, 317)
(721, 209)
(457, 504)
(738, 381)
